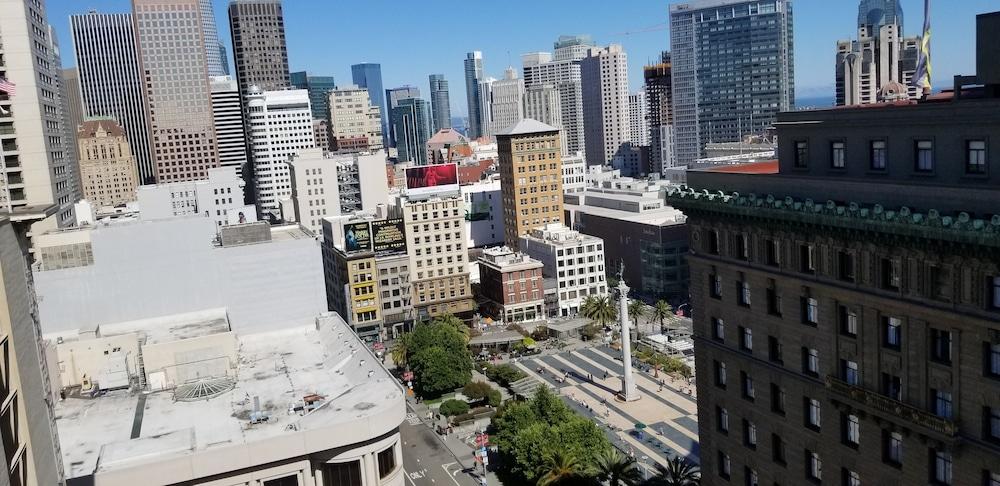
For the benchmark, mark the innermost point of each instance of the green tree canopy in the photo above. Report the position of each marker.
(439, 357)
(451, 408)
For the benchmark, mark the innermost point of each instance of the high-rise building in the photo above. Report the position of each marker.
(107, 169)
(716, 47)
(530, 178)
(326, 185)
(542, 103)
(280, 126)
(224, 57)
(577, 277)
(111, 83)
(502, 102)
(73, 104)
(392, 98)
(355, 123)
(229, 129)
(178, 96)
(879, 66)
(213, 55)
(259, 53)
(440, 104)
(859, 338)
(659, 96)
(638, 122)
(604, 80)
(38, 169)
(473, 75)
(564, 72)
(411, 124)
(319, 88)
(369, 76)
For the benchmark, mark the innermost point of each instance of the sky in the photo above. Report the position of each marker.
(412, 39)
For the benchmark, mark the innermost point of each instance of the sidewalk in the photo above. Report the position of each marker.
(462, 451)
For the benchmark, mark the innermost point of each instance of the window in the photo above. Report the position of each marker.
(773, 253)
(715, 286)
(343, 473)
(837, 160)
(845, 266)
(941, 401)
(746, 339)
(851, 430)
(801, 154)
(777, 399)
(778, 450)
(724, 465)
(892, 332)
(742, 246)
(814, 467)
(813, 419)
(810, 361)
(851, 478)
(991, 424)
(720, 374)
(810, 311)
(807, 259)
(992, 359)
(773, 300)
(890, 274)
(994, 294)
(749, 434)
(975, 159)
(386, 462)
(941, 346)
(713, 242)
(285, 481)
(744, 293)
(892, 448)
(718, 329)
(879, 158)
(849, 372)
(924, 155)
(942, 468)
(747, 386)
(892, 386)
(991, 479)
(774, 350)
(722, 419)
(848, 321)
(751, 476)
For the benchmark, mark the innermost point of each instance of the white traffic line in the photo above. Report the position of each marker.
(450, 474)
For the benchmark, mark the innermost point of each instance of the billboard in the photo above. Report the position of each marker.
(357, 237)
(427, 179)
(389, 237)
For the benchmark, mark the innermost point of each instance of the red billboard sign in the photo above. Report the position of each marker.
(431, 176)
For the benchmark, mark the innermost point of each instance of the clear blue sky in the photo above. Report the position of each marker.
(412, 39)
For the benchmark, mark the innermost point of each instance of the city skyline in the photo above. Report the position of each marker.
(639, 27)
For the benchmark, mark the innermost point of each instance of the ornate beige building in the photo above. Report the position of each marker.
(530, 178)
(108, 171)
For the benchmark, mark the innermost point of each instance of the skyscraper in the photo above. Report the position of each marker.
(659, 94)
(111, 85)
(319, 88)
(604, 78)
(881, 63)
(542, 103)
(355, 123)
(473, 75)
(501, 102)
(638, 123)
(280, 126)
(733, 70)
(392, 98)
(229, 129)
(563, 71)
(411, 124)
(259, 53)
(72, 111)
(440, 104)
(369, 76)
(178, 97)
(38, 168)
(107, 170)
(213, 55)
(533, 201)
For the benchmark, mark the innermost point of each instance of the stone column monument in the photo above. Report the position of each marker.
(629, 391)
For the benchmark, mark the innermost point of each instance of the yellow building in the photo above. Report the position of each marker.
(531, 178)
(108, 172)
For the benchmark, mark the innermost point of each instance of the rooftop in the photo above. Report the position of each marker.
(526, 126)
(172, 328)
(124, 430)
(660, 217)
(766, 167)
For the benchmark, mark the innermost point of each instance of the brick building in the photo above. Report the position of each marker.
(512, 285)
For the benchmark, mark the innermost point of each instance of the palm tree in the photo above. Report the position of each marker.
(563, 469)
(617, 469)
(600, 309)
(661, 311)
(677, 473)
(457, 323)
(400, 351)
(636, 310)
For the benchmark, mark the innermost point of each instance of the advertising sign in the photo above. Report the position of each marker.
(427, 179)
(389, 237)
(357, 237)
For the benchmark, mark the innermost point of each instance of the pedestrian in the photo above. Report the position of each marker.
(605, 375)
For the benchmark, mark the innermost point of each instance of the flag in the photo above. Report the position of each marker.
(7, 87)
(922, 77)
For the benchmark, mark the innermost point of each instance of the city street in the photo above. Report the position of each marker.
(426, 461)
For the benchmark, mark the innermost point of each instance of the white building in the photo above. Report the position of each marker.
(574, 169)
(326, 185)
(638, 123)
(501, 102)
(574, 259)
(355, 123)
(228, 115)
(302, 406)
(280, 125)
(483, 213)
(220, 198)
(562, 70)
(604, 74)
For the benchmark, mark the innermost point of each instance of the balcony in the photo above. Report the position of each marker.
(894, 411)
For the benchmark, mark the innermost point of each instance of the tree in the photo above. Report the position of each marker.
(601, 310)
(494, 398)
(563, 469)
(400, 351)
(438, 354)
(636, 310)
(504, 374)
(661, 311)
(617, 470)
(477, 390)
(678, 472)
(451, 408)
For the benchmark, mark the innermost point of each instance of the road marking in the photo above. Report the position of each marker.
(412, 419)
(450, 475)
(407, 475)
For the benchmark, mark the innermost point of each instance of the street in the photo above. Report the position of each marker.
(426, 461)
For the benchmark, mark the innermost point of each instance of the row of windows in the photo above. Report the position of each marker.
(878, 156)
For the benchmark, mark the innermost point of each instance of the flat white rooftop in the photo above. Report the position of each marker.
(214, 436)
(660, 217)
